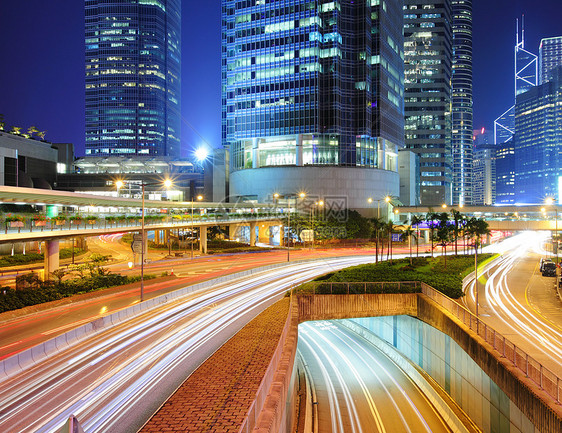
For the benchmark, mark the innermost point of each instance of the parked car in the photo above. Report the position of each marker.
(549, 269)
(543, 262)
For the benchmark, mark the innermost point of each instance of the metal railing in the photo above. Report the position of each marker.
(358, 288)
(533, 369)
(31, 226)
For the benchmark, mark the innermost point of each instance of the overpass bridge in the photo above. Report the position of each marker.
(504, 218)
(73, 215)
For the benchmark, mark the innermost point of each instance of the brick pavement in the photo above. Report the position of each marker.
(218, 395)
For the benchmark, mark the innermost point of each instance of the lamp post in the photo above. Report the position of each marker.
(386, 199)
(119, 184)
(318, 203)
(199, 198)
(301, 195)
(550, 201)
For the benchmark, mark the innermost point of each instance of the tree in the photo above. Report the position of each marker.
(378, 225)
(16, 130)
(416, 221)
(408, 233)
(460, 221)
(430, 218)
(443, 233)
(32, 130)
(2, 123)
(390, 228)
(475, 228)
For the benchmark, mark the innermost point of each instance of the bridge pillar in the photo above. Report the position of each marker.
(51, 258)
(166, 236)
(264, 234)
(81, 243)
(426, 236)
(253, 234)
(203, 239)
(157, 237)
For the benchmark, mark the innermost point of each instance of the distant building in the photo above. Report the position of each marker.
(526, 77)
(462, 102)
(538, 143)
(313, 99)
(133, 73)
(484, 174)
(428, 48)
(31, 163)
(550, 57)
(99, 175)
(505, 173)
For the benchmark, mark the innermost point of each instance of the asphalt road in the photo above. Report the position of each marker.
(359, 389)
(517, 301)
(115, 380)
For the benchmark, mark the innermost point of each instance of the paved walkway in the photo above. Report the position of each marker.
(218, 395)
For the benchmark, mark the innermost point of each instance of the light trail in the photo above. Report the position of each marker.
(506, 300)
(377, 395)
(112, 378)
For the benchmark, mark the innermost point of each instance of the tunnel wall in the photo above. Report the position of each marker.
(513, 396)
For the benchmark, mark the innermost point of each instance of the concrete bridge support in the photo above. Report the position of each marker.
(203, 239)
(252, 234)
(51, 258)
(264, 234)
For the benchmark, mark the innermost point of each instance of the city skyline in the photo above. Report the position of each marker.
(44, 87)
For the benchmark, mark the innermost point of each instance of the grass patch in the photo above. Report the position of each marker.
(24, 259)
(445, 277)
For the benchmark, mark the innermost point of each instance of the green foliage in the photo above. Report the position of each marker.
(23, 259)
(38, 292)
(429, 271)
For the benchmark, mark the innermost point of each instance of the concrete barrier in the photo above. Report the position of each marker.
(25, 359)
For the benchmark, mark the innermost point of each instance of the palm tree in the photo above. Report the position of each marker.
(475, 228)
(416, 221)
(460, 221)
(377, 227)
(408, 232)
(430, 217)
(32, 130)
(443, 233)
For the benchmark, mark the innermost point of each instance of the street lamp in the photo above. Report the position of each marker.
(301, 195)
(199, 198)
(550, 201)
(319, 204)
(167, 184)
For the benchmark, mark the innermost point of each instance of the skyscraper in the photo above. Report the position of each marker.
(462, 102)
(428, 69)
(313, 98)
(133, 61)
(538, 142)
(526, 77)
(550, 57)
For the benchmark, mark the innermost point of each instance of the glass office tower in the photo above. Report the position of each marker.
(309, 86)
(133, 57)
(428, 72)
(538, 142)
(462, 102)
(550, 57)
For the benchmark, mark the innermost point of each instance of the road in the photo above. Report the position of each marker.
(115, 380)
(20, 333)
(517, 301)
(359, 389)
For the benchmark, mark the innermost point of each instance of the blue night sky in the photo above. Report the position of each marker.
(42, 67)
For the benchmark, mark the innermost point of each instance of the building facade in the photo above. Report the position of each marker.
(313, 98)
(505, 173)
(462, 102)
(428, 53)
(484, 174)
(32, 163)
(550, 57)
(133, 70)
(538, 143)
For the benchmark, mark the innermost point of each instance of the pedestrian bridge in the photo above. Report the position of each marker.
(73, 215)
(504, 218)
